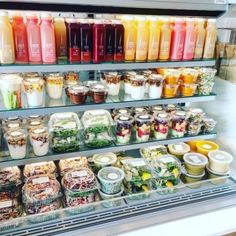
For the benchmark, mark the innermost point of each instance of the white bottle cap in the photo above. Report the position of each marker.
(211, 20)
(179, 20)
(200, 20)
(189, 20)
(127, 17)
(3, 13)
(46, 15)
(140, 18)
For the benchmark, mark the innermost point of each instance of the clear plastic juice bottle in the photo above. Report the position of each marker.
(119, 41)
(165, 41)
(47, 39)
(7, 52)
(178, 38)
(130, 38)
(154, 38)
(20, 39)
(201, 34)
(110, 39)
(142, 38)
(210, 41)
(61, 40)
(34, 39)
(190, 39)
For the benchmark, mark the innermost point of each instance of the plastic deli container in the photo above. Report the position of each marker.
(187, 90)
(98, 93)
(195, 163)
(54, 85)
(189, 75)
(172, 108)
(34, 91)
(204, 147)
(170, 90)
(219, 161)
(153, 152)
(111, 179)
(208, 125)
(178, 124)
(137, 86)
(155, 82)
(146, 74)
(104, 159)
(194, 121)
(140, 110)
(16, 141)
(124, 125)
(112, 81)
(41, 168)
(40, 141)
(72, 164)
(97, 128)
(216, 177)
(78, 94)
(10, 86)
(157, 109)
(171, 76)
(192, 145)
(179, 149)
(127, 83)
(122, 111)
(194, 181)
(143, 125)
(10, 176)
(161, 126)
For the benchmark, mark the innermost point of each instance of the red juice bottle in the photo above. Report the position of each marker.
(86, 37)
(119, 41)
(99, 42)
(110, 41)
(20, 39)
(73, 37)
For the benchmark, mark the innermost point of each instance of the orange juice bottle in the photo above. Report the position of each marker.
(7, 51)
(165, 39)
(130, 38)
(201, 34)
(142, 38)
(210, 42)
(154, 38)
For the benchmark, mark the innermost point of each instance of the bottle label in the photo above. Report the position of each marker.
(86, 46)
(35, 50)
(74, 54)
(7, 54)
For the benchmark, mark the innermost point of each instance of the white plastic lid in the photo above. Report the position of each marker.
(179, 20)
(215, 172)
(105, 159)
(46, 15)
(127, 17)
(196, 159)
(179, 147)
(211, 20)
(200, 20)
(189, 20)
(111, 174)
(140, 18)
(220, 156)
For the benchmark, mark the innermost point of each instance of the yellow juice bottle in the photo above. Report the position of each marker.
(210, 41)
(201, 34)
(130, 38)
(165, 40)
(154, 38)
(7, 51)
(142, 38)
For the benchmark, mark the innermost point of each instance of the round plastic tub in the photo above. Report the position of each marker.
(204, 147)
(195, 163)
(219, 161)
(216, 177)
(179, 149)
(192, 145)
(193, 180)
(105, 159)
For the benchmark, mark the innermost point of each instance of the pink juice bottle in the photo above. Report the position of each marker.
(190, 39)
(178, 38)
(34, 41)
(47, 39)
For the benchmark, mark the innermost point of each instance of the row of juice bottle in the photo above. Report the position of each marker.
(87, 40)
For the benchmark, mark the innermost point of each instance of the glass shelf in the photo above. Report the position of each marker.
(13, 68)
(7, 161)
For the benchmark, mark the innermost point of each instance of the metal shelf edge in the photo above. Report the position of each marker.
(102, 150)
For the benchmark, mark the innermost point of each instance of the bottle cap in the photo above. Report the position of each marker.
(211, 20)
(46, 15)
(3, 13)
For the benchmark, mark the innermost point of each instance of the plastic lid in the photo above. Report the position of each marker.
(193, 176)
(139, 110)
(157, 108)
(98, 88)
(162, 115)
(165, 159)
(215, 172)
(179, 147)
(78, 89)
(16, 133)
(143, 117)
(156, 77)
(39, 131)
(179, 20)
(127, 17)
(131, 73)
(196, 110)
(3, 13)
(111, 174)
(46, 15)
(105, 159)
(211, 20)
(196, 159)
(220, 156)
(89, 83)
(140, 18)
(180, 113)
(138, 77)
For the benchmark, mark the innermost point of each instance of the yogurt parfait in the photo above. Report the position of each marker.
(17, 144)
(54, 85)
(155, 86)
(40, 141)
(161, 126)
(137, 85)
(34, 91)
(123, 128)
(127, 83)
(146, 74)
(178, 124)
(143, 125)
(112, 81)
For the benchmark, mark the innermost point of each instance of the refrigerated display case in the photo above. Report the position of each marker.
(148, 202)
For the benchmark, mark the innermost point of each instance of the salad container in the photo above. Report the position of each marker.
(170, 90)
(179, 149)
(54, 85)
(178, 124)
(153, 152)
(104, 159)
(112, 81)
(161, 126)
(10, 176)
(34, 91)
(78, 94)
(16, 141)
(10, 86)
(137, 86)
(40, 141)
(127, 81)
(219, 161)
(208, 125)
(143, 125)
(41, 168)
(99, 93)
(72, 164)
(155, 86)
(124, 125)
(111, 179)
(216, 177)
(195, 163)
(204, 147)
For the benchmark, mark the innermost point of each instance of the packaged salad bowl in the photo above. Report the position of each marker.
(153, 152)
